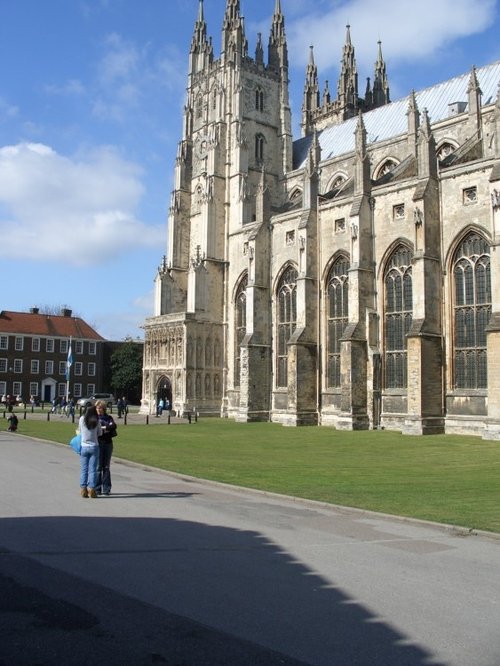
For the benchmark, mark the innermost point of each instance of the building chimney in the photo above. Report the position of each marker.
(34, 310)
(66, 312)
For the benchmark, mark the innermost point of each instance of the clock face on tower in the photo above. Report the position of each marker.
(201, 146)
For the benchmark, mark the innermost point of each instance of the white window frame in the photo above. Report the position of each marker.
(19, 343)
(4, 365)
(18, 366)
(49, 345)
(79, 347)
(90, 389)
(92, 348)
(63, 346)
(35, 366)
(17, 388)
(49, 367)
(34, 389)
(78, 369)
(77, 390)
(91, 369)
(4, 341)
(35, 344)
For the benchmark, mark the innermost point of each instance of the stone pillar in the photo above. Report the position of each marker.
(492, 427)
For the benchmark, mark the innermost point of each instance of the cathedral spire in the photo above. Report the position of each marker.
(347, 89)
(380, 82)
(311, 94)
(201, 48)
(278, 52)
(233, 30)
(259, 50)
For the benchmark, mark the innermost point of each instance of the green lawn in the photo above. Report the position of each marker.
(443, 478)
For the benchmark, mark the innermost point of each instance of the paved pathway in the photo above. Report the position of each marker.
(172, 570)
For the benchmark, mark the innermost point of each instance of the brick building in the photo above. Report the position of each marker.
(34, 353)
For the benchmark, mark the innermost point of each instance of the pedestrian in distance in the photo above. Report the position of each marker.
(13, 422)
(108, 431)
(90, 429)
(161, 405)
(120, 407)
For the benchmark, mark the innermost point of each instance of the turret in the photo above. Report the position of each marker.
(201, 53)
(474, 94)
(278, 61)
(413, 115)
(311, 95)
(234, 43)
(427, 162)
(362, 167)
(259, 51)
(380, 82)
(347, 89)
(277, 50)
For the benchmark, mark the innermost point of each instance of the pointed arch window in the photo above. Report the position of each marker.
(199, 106)
(385, 168)
(259, 99)
(337, 317)
(259, 147)
(398, 298)
(240, 325)
(472, 311)
(286, 322)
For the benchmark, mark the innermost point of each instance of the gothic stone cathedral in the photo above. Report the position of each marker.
(349, 278)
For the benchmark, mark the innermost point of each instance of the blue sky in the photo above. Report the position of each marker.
(91, 97)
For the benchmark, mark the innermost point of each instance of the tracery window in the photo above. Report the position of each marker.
(286, 322)
(472, 311)
(240, 318)
(444, 150)
(398, 298)
(337, 314)
(388, 166)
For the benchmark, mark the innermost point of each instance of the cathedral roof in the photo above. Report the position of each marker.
(389, 121)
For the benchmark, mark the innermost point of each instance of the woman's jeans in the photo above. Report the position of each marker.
(103, 480)
(89, 459)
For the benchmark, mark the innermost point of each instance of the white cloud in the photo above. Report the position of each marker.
(7, 110)
(408, 30)
(79, 210)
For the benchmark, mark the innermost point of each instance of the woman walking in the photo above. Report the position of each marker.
(90, 430)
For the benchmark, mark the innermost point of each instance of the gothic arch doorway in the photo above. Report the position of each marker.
(164, 390)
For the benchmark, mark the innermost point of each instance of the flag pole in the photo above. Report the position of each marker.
(69, 363)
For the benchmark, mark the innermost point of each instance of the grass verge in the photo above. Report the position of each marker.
(443, 478)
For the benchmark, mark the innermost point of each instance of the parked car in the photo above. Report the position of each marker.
(92, 399)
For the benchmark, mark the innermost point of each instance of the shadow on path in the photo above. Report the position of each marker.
(123, 588)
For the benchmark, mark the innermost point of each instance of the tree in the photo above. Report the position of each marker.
(126, 370)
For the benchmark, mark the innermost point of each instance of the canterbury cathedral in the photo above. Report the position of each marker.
(347, 277)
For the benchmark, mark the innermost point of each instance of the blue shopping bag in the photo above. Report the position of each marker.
(76, 443)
